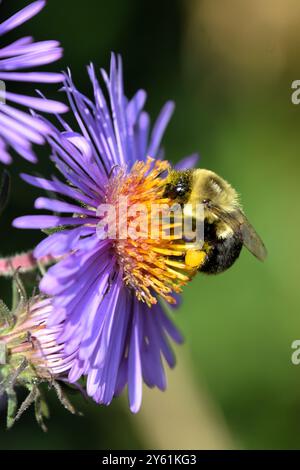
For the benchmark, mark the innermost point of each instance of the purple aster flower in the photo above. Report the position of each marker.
(106, 291)
(18, 129)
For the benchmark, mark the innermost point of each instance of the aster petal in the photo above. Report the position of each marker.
(82, 324)
(159, 128)
(187, 162)
(122, 376)
(4, 155)
(21, 129)
(10, 134)
(117, 101)
(162, 339)
(68, 156)
(170, 328)
(28, 48)
(58, 187)
(82, 144)
(143, 135)
(108, 376)
(134, 362)
(48, 221)
(152, 362)
(24, 150)
(60, 206)
(48, 106)
(77, 267)
(58, 244)
(91, 129)
(107, 144)
(18, 42)
(22, 16)
(26, 119)
(37, 77)
(135, 106)
(31, 60)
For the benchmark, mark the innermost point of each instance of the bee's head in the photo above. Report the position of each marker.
(179, 185)
(213, 192)
(201, 187)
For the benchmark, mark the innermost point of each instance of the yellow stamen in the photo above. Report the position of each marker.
(147, 263)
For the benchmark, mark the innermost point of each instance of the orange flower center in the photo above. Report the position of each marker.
(150, 251)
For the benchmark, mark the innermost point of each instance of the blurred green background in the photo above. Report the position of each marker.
(229, 66)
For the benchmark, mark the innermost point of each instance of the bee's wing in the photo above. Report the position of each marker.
(251, 239)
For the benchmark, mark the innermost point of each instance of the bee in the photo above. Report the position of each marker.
(226, 228)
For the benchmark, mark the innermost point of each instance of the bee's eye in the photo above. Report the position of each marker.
(205, 201)
(180, 190)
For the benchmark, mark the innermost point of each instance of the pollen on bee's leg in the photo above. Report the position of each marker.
(195, 258)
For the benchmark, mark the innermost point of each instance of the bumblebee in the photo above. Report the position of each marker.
(226, 228)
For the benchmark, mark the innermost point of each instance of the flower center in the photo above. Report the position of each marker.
(148, 240)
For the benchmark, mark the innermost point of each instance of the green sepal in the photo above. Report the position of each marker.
(51, 231)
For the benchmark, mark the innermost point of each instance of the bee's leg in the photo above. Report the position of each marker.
(41, 409)
(195, 258)
(63, 397)
(11, 407)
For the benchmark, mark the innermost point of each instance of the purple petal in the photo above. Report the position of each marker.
(4, 155)
(168, 325)
(31, 60)
(57, 187)
(48, 106)
(60, 206)
(25, 151)
(48, 221)
(159, 128)
(22, 16)
(188, 162)
(21, 129)
(37, 77)
(135, 107)
(134, 363)
(57, 244)
(29, 48)
(26, 119)
(143, 135)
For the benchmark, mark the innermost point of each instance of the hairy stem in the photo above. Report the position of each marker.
(23, 263)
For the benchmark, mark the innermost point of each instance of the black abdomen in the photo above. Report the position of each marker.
(222, 253)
